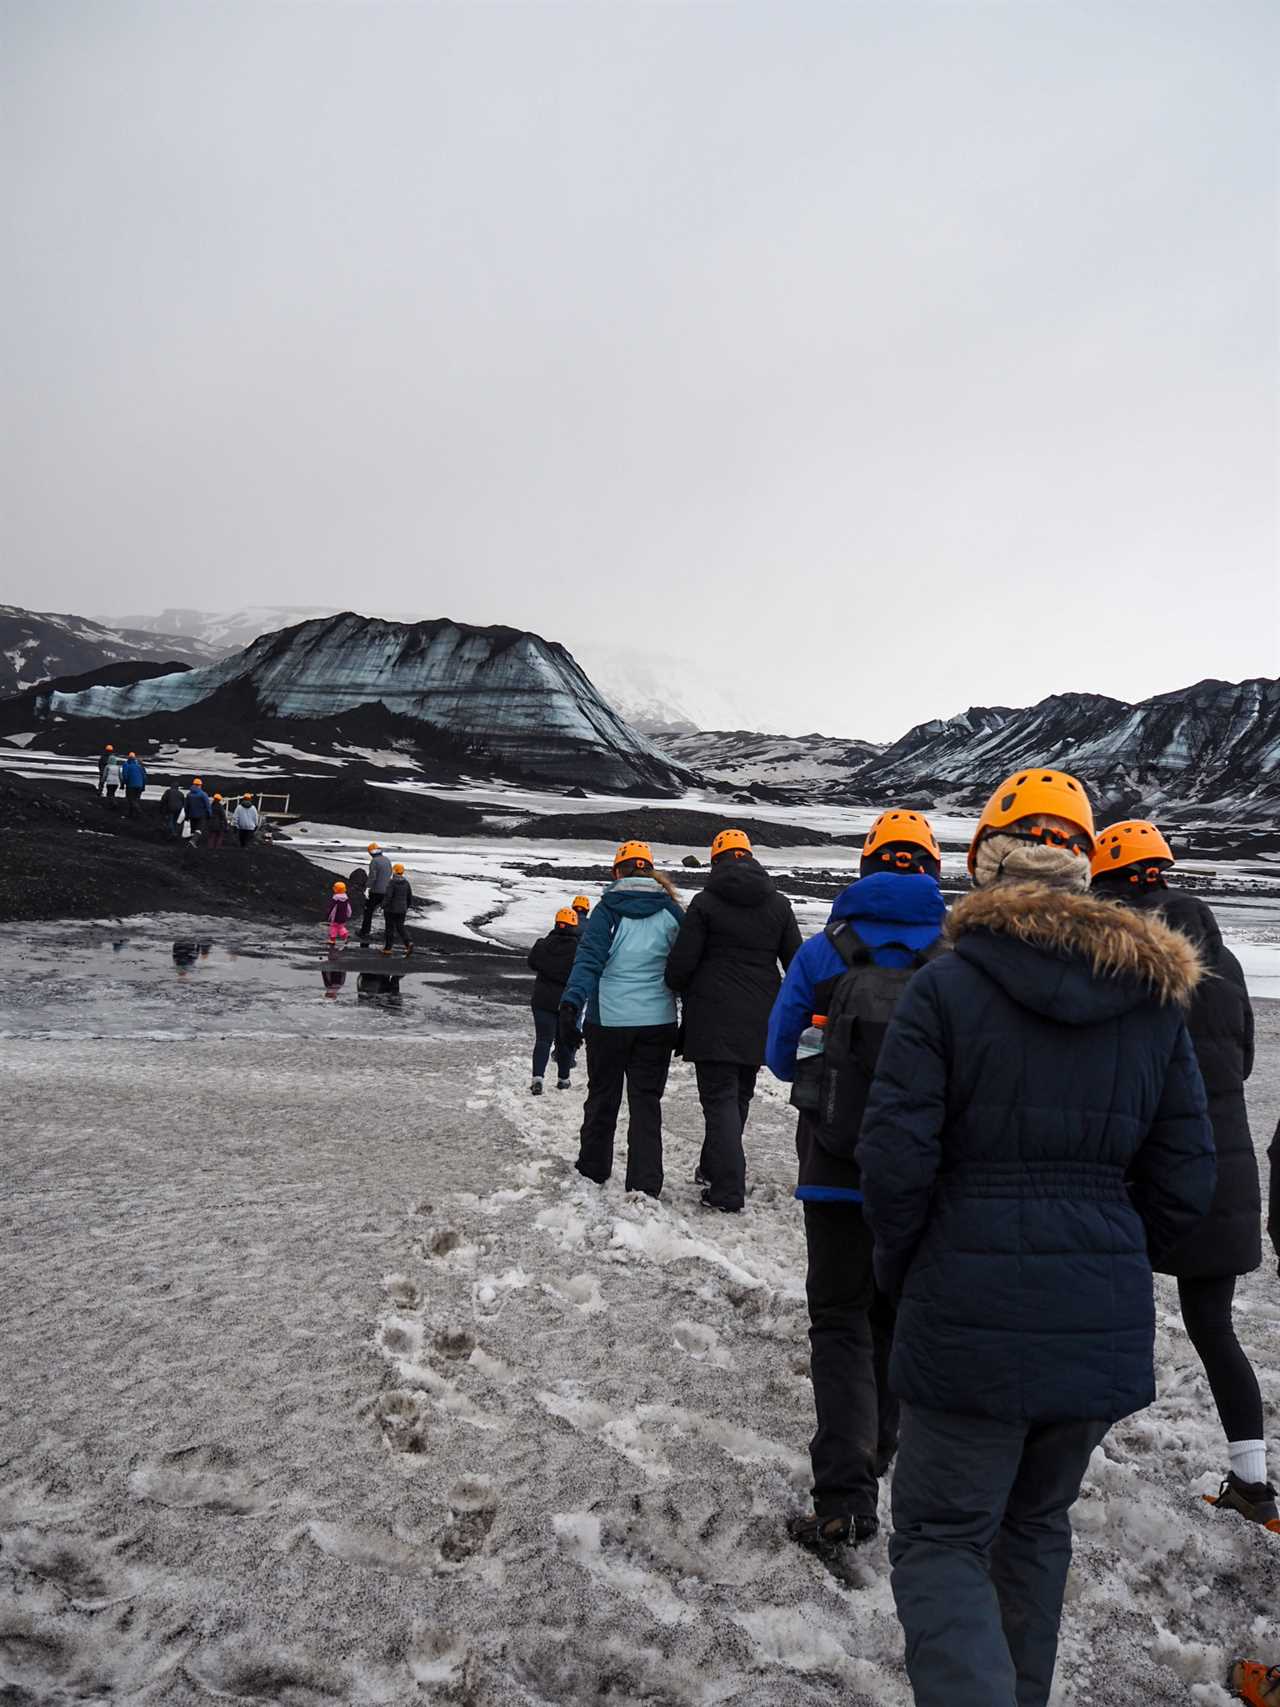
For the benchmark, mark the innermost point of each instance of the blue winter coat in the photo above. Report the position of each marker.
(618, 973)
(897, 915)
(199, 805)
(132, 774)
(1035, 1134)
(886, 908)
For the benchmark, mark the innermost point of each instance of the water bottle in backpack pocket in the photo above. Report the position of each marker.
(806, 1086)
(862, 1005)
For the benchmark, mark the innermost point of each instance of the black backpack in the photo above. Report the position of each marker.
(832, 1087)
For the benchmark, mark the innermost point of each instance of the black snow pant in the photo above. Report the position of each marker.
(850, 1337)
(109, 790)
(393, 927)
(546, 1030)
(725, 1091)
(246, 837)
(372, 904)
(132, 797)
(980, 1550)
(1206, 1315)
(637, 1057)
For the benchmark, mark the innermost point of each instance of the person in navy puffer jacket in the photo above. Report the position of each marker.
(618, 980)
(897, 910)
(1036, 1136)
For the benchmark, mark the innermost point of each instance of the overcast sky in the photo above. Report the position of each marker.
(886, 357)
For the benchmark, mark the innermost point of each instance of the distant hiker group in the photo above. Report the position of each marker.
(206, 814)
(1008, 1116)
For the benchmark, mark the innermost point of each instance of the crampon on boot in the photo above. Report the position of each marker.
(1255, 1501)
(1255, 1683)
(829, 1536)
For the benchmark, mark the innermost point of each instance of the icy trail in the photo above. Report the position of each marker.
(328, 1380)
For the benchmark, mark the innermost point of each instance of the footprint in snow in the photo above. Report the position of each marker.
(90, 1577)
(453, 1343)
(402, 1419)
(371, 1549)
(472, 1509)
(244, 1670)
(402, 1291)
(203, 1476)
(444, 1240)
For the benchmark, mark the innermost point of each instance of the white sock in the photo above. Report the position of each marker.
(1248, 1459)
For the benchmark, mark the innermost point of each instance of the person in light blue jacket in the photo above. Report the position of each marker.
(618, 982)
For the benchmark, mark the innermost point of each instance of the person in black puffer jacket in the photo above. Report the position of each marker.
(1036, 1135)
(551, 957)
(1129, 867)
(725, 963)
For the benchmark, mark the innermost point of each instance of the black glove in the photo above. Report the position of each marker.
(568, 1035)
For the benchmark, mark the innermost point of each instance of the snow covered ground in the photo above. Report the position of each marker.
(326, 1379)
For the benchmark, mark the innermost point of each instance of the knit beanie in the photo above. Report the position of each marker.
(1005, 859)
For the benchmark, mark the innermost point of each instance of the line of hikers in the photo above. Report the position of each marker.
(1009, 1115)
(208, 815)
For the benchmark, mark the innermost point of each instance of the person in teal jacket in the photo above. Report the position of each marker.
(618, 983)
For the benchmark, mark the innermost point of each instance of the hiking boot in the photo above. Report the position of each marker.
(724, 1208)
(386, 953)
(699, 1178)
(535, 1089)
(408, 950)
(1255, 1683)
(827, 1537)
(564, 1084)
(1253, 1500)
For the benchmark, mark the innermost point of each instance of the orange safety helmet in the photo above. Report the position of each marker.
(641, 852)
(731, 841)
(372, 848)
(899, 825)
(1034, 793)
(217, 797)
(108, 748)
(247, 796)
(132, 754)
(339, 888)
(1136, 843)
(567, 916)
(398, 869)
(581, 904)
(197, 782)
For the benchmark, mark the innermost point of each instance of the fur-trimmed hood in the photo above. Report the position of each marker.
(1074, 958)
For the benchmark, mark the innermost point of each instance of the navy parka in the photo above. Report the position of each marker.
(1035, 1136)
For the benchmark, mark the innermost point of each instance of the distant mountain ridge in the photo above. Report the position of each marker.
(1216, 743)
(511, 698)
(36, 646)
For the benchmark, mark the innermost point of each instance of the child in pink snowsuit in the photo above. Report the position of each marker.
(339, 913)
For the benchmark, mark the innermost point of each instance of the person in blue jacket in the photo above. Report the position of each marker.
(897, 911)
(134, 777)
(1036, 1135)
(618, 982)
(198, 807)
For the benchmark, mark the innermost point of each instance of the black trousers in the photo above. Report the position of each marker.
(725, 1091)
(393, 927)
(109, 789)
(246, 837)
(1206, 1315)
(371, 905)
(132, 797)
(636, 1058)
(850, 1336)
(546, 1028)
